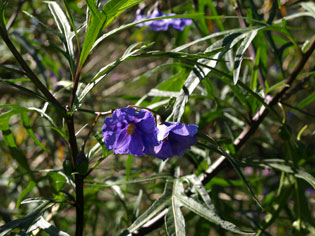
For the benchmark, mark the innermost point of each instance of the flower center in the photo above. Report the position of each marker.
(165, 139)
(130, 128)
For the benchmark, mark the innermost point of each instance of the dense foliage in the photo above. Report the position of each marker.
(135, 117)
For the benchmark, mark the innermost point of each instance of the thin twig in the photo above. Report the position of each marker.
(251, 49)
(15, 15)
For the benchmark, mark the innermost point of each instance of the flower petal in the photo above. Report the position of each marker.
(181, 143)
(164, 129)
(136, 146)
(164, 150)
(185, 130)
(121, 145)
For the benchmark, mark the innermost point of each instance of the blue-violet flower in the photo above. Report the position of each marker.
(129, 131)
(162, 25)
(174, 139)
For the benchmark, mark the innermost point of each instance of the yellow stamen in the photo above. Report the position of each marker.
(131, 127)
(166, 138)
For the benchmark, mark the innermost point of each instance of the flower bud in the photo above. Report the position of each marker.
(82, 163)
(67, 166)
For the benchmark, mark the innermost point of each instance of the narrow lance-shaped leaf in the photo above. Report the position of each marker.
(24, 223)
(201, 190)
(191, 83)
(48, 228)
(28, 189)
(27, 125)
(297, 173)
(159, 205)
(198, 74)
(240, 54)
(65, 29)
(208, 214)
(10, 143)
(240, 173)
(103, 72)
(99, 20)
(174, 219)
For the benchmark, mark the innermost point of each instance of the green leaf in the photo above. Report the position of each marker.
(275, 86)
(13, 69)
(240, 53)
(137, 205)
(199, 188)
(126, 26)
(16, 109)
(173, 198)
(192, 81)
(48, 228)
(130, 181)
(57, 181)
(26, 222)
(309, 6)
(209, 215)
(99, 20)
(198, 74)
(114, 8)
(103, 72)
(10, 143)
(91, 35)
(283, 193)
(308, 100)
(240, 173)
(65, 29)
(174, 219)
(28, 189)
(297, 173)
(33, 200)
(228, 33)
(254, 75)
(24, 90)
(93, 9)
(27, 125)
(159, 205)
(128, 166)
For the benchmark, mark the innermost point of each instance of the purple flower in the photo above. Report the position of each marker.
(140, 16)
(174, 139)
(130, 131)
(310, 191)
(159, 25)
(180, 24)
(162, 25)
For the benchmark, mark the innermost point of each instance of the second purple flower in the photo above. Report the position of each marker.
(174, 139)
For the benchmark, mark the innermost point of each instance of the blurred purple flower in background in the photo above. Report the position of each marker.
(180, 23)
(174, 139)
(162, 25)
(310, 191)
(140, 16)
(266, 172)
(249, 170)
(129, 131)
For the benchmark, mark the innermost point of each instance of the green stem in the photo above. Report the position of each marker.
(79, 203)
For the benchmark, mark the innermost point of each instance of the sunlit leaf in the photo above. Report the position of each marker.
(240, 54)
